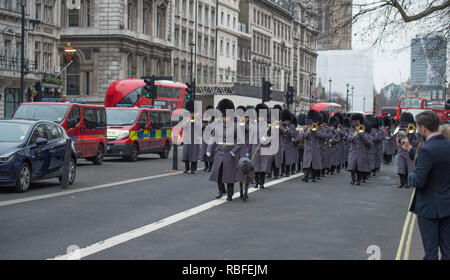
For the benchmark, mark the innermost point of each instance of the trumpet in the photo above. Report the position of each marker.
(360, 128)
(314, 126)
(242, 121)
(411, 128)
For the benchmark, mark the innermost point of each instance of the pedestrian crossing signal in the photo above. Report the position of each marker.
(190, 91)
(149, 89)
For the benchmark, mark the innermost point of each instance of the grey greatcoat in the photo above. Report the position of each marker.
(335, 159)
(278, 157)
(358, 159)
(224, 155)
(261, 163)
(191, 151)
(311, 153)
(289, 150)
(345, 133)
(370, 148)
(405, 164)
(240, 177)
(377, 136)
(324, 146)
(388, 143)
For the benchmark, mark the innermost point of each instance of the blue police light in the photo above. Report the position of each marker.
(50, 99)
(123, 105)
(77, 101)
(146, 106)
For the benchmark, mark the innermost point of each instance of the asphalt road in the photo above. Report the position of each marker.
(177, 217)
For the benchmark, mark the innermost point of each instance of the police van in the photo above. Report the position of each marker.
(138, 130)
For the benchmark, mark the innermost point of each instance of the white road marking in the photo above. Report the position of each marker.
(127, 236)
(45, 196)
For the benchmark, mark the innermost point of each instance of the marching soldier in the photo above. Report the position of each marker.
(301, 144)
(357, 157)
(207, 160)
(334, 143)
(261, 163)
(295, 141)
(287, 132)
(377, 135)
(312, 162)
(277, 159)
(340, 145)
(405, 164)
(324, 147)
(226, 155)
(190, 153)
(388, 146)
(370, 147)
(346, 127)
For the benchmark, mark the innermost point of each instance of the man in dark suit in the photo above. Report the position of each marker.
(431, 178)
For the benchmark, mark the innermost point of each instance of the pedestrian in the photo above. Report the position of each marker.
(431, 180)
(226, 154)
(405, 164)
(445, 130)
(191, 150)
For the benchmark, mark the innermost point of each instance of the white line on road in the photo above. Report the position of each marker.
(38, 197)
(127, 236)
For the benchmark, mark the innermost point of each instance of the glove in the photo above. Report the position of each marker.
(232, 154)
(263, 139)
(208, 154)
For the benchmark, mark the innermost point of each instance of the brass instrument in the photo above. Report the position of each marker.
(411, 128)
(314, 126)
(396, 130)
(360, 128)
(242, 121)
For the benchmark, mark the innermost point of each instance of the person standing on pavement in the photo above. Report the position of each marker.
(405, 164)
(191, 150)
(431, 180)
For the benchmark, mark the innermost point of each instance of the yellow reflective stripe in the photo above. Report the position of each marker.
(133, 135)
(158, 134)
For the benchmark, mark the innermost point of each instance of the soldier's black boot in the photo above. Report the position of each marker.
(210, 166)
(276, 171)
(358, 178)
(230, 192)
(206, 166)
(282, 170)
(322, 173)
(338, 169)
(313, 174)
(306, 175)
(186, 167)
(222, 190)
(364, 176)
(257, 179)
(262, 178)
(288, 170)
(352, 174)
(374, 172)
(332, 170)
(193, 167)
(402, 181)
(299, 167)
(293, 169)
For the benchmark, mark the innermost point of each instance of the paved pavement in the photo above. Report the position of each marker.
(179, 218)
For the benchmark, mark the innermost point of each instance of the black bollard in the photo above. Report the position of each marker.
(66, 166)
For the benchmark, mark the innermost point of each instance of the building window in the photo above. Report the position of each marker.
(221, 47)
(234, 51)
(11, 101)
(228, 49)
(228, 20)
(87, 13)
(74, 17)
(86, 86)
(73, 77)
(37, 10)
(129, 16)
(37, 54)
(221, 18)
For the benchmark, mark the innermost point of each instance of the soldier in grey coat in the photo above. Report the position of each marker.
(301, 143)
(340, 145)
(312, 162)
(191, 151)
(346, 130)
(377, 135)
(335, 142)
(261, 163)
(277, 159)
(325, 145)
(388, 142)
(227, 153)
(405, 164)
(357, 158)
(370, 147)
(288, 150)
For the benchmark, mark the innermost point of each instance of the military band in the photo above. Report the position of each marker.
(319, 143)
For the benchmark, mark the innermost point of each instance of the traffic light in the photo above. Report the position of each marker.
(190, 91)
(150, 90)
(266, 90)
(290, 95)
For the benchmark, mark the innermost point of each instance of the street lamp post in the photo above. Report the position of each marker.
(329, 94)
(352, 96)
(310, 89)
(191, 44)
(346, 101)
(22, 54)
(364, 104)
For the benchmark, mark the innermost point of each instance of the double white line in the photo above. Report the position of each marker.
(409, 217)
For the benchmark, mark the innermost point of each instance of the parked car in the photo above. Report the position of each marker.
(84, 123)
(32, 150)
(133, 131)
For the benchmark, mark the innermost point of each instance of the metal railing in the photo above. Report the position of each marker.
(13, 63)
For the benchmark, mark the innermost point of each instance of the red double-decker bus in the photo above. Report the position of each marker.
(128, 93)
(388, 112)
(412, 104)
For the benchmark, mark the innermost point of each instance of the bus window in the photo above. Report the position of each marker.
(169, 92)
(132, 97)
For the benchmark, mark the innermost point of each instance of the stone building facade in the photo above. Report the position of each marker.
(41, 50)
(335, 34)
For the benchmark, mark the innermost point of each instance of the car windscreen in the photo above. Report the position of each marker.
(47, 112)
(121, 116)
(13, 132)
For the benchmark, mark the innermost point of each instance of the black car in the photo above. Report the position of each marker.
(32, 150)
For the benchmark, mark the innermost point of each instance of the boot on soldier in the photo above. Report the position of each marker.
(186, 167)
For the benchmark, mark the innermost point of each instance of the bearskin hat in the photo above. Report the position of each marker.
(369, 118)
(189, 106)
(347, 122)
(209, 107)
(293, 119)
(242, 108)
(407, 117)
(314, 115)
(340, 116)
(261, 106)
(387, 122)
(248, 107)
(358, 117)
(325, 117)
(279, 108)
(376, 122)
(301, 119)
(285, 115)
(225, 104)
(334, 121)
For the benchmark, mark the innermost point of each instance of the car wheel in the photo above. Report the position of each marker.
(98, 159)
(165, 153)
(72, 172)
(134, 153)
(24, 178)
